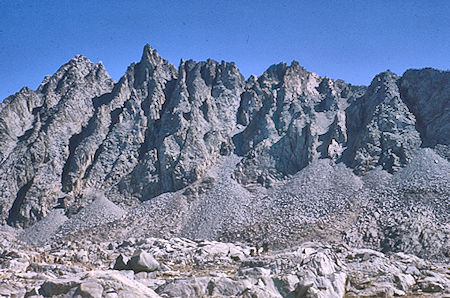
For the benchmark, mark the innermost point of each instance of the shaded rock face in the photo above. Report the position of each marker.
(195, 128)
(110, 146)
(36, 128)
(293, 117)
(427, 94)
(381, 129)
(160, 129)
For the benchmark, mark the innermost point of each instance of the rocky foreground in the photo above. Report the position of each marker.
(152, 267)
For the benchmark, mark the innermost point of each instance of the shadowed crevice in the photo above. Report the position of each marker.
(77, 139)
(15, 209)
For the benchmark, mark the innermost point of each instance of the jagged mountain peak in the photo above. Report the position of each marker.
(74, 70)
(385, 81)
(211, 72)
(296, 67)
(151, 67)
(77, 70)
(78, 66)
(23, 91)
(385, 76)
(275, 71)
(35, 132)
(279, 70)
(199, 152)
(79, 60)
(151, 57)
(161, 129)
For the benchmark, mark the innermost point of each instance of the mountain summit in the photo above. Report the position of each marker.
(162, 130)
(95, 168)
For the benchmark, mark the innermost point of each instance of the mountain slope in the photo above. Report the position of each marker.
(199, 152)
(36, 129)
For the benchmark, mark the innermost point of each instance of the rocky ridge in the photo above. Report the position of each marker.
(159, 130)
(278, 160)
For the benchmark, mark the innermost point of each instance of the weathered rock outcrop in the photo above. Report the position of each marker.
(427, 94)
(195, 128)
(160, 130)
(110, 146)
(381, 129)
(91, 170)
(35, 133)
(293, 117)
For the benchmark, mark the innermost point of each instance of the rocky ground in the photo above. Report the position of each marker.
(152, 267)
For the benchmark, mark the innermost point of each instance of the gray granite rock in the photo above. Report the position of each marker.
(159, 130)
(381, 129)
(121, 263)
(312, 269)
(199, 152)
(38, 142)
(142, 261)
(426, 92)
(294, 117)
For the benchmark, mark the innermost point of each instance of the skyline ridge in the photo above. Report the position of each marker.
(100, 62)
(350, 40)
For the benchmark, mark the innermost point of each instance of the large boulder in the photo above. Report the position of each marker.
(142, 261)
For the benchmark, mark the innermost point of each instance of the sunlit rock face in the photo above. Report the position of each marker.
(36, 129)
(206, 136)
(198, 174)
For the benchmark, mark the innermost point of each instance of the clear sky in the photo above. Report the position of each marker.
(350, 40)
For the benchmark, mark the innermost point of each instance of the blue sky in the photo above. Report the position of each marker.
(350, 40)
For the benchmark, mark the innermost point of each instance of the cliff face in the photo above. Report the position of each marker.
(160, 129)
(381, 129)
(36, 128)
